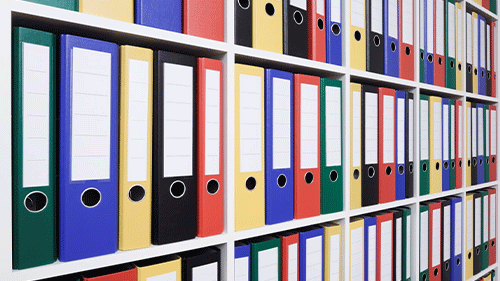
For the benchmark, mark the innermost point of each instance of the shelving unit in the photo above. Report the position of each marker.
(21, 13)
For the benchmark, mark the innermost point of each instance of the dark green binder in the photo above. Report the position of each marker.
(33, 204)
(450, 58)
(451, 128)
(331, 173)
(63, 4)
(424, 164)
(261, 244)
(493, 6)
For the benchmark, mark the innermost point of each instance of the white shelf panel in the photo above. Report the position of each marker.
(481, 98)
(480, 186)
(381, 207)
(480, 9)
(381, 80)
(440, 91)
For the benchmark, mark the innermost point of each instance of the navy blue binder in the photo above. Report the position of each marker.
(400, 145)
(391, 42)
(456, 238)
(311, 247)
(163, 14)
(334, 32)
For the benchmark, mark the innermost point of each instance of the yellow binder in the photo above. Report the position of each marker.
(267, 30)
(468, 165)
(487, 277)
(114, 9)
(469, 238)
(333, 250)
(355, 146)
(358, 34)
(459, 19)
(249, 192)
(356, 249)
(435, 143)
(168, 267)
(475, 54)
(136, 119)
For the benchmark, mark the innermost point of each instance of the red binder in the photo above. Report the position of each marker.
(127, 272)
(386, 136)
(406, 55)
(317, 26)
(435, 244)
(492, 226)
(486, 4)
(439, 63)
(382, 218)
(210, 213)
(289, 242)
(493, 30)
(306, 157)
(204, 18)
(493, 139)
(458, 143)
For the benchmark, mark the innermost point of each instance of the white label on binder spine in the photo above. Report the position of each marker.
(446, 233)
(301, 4)
(399, 241)
(388, 138)
(335, 11)
(292, 261)
(430, 26)
(459, 32)
(452, 132)
(386, 251)
(268, 264)
(356, 129)
(470, 224)
(424, 240)
(333, 126)
(410, 130)
(477, 222)
(460, 131)
(371, 128)
(437, 130)
(401, 131)
(482, 47)
(212, 122)
(207, 272)
(493, 216)
(469, 38)
(91, 115)
(445, 142)
(475, 41)
(393, 19)
(281, 123)
(469, 133)
(407, 22)
(488, 42)
(451, 30)
(357, 255)
(458, 228)
(250, 123)
(241, 269)
(480, 130)
(308, 126)
(487, 132)
(358, 13)
(376, 14)
(436, 237)
(421, 18)
(372, 253)
(320, 7)
(485, 219)
(493, 127)
(36, 114)
(408, 247)
(424, 130)
(314, 258)
(334, 257)
(172, 276)
(474, 132)
(440, 27)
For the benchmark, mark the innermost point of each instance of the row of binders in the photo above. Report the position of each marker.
(196, 265)
(310, 253)
(193, 17)
(490, 276)
(380, 246)
(83, 161)
(288, 146)
(480, 235)
(381, 166)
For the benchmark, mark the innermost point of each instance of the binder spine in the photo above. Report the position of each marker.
(400, 144)
(295, 30)
(243, 23)
(375, 39)
(445, 144)
(334, 32)
(409, 150)
(391, 44)
(459, 142)
(386, 132)
(369, 169)
(456, 244)
(317, 34)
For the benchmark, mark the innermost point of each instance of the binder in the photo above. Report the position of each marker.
(445, 144)
(459, 142)
(267, 25)
(249, 192)
(406, 244)
(317, 33)
(493, 30)
(386, 151)
(210, 180)
(397, 244)
(493, 6)
(279, 145)
(375, 36)
(488, 59)
(486, 134)
(63, 4)
(370, 246)
(201, 264)
(355, 152)
(165, 267)
(422, 41)
(480, 143)
(449, 35)
(452, 143)
(435, 149)
(391, 38)
(475, 53)
(334, 32)
(434, 241)
(265, 258)
(474, 130)
(481, 55)
(429, 41)
(484, 229)
(492, 226)
(493, 142)
(306, 162)
(384, 246)
(409, 154)
(423, 243)
(478, 234)
(125, 272)
(88, 173)
(459, 23)
(468, 168)
(446, 234)
(424, 145)
(469, 236)
(486, 4)
(203, 19)
(439, 42)
(468, 60)
(174, 171)
(122, 10)
(289, 256)
(243, 33)
(358, 34)
(331, 146)
(162, 14)
(401, 138)
(406, 40)
(33, 137)
(136, 115)
(456, 238)
(295, 28)
(311, 261)
(369, 145)
(241, 261)
(356, 250)
(332, 251)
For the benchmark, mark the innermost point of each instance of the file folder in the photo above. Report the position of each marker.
(88, 155)
(162, 14)
(422, 35)
(391, 38)
(204, 18)
(358, 34)
(295, 28)
(469, 236)
(452, 143)
(369, 145)
(406, 40)
(122, 10)
(406, 244)
(334, 32)
(475, 53)
(397, 244)
(449, 35)
(493, 31)
(469, 51)
(136, 126)
(474, 130)
(317, 33)
(446, 239)
(63, 4)
(459, 142)
(486, 4)
(445, 144)
(370, 246)
(424, 242)
(374, 36)
(488, 59)
(456, 238)
(492, 192)
(174, 171)
(289, 256)
(493, 6)
(434, 241)
(356, 250)
(429, 41)
(279, 145)
(210, 179)
(267, 25)
(486, 134)
(331, 146)
(386, 143)
(484, 230)
(311, 261)
(160, 268)
(424, 145)
(243, 33)
(241, 261)
(493, 142)
(459, 23)
(201, 264)
(332, 251)
(435, 149)
(265, 258)
(355, 157)
(125, 272)
(468, 168)
(249, 191)
(34, 136)
(480, 143)
(439, 42)
(481, 55)
(400, 144)
(478, 232)
(384, 246)
(409, 138)
(306, 162)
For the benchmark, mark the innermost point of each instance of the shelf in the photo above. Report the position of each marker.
(439, 91)
(490, 16)
(480, 186)
(381, 80)
(381, 207)
(478, 98)
(480, 274)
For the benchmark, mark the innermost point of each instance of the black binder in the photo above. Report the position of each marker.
(369, 172)
(446, 264)
(199, 257)
(295, 33)
(374, 42)
(408, 164)
(243, 22)
(473, 171)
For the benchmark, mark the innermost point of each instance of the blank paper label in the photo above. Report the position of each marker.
(399, 241)
(477, 222)
(410, 130)
(482, 47)
(320, 7)
(493, 230)
(268, 264)
(440, 27)
(488, 62)
(314, 258)
(451, 30)
(459, 32)
(475, 42)
(424, 240)
(372, 253)
(430, 26)
(437, 130)
(172, 276)
(470, 224)
(302, 4)
(452, 132)
(212, 122)
(493, 127)
(446, 139)
(208, 272)
(458, 228)
(393, 19)
(333, 126)
(446, 233)
(388, 129)
(358, 13)
(335, 11)
(469, 38)
(36, 115)
(292, 262)
(474, 132)
(281, 123)
(469, 133)
(90, 115)
(460, 131)
(485, 219)
(308, 126)
(424, 130)
(241, 269)
(436, 237)
(408, 247)
(401, 131)
(480, 131)
(356, 129)
(421, 26)
(386, 251)
(487, 132)
(334, 257)
(250, 123)
(371, 128)
(376, 13)
(357, 254)
(407, 22)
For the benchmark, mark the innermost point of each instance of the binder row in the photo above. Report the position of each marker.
(193, 17)
(481, 143)
(111, 163)
(480, 236)
(490, 276)
(380, 246)
(288, 146)
(309, 253)
(381, 166)
(196, 265)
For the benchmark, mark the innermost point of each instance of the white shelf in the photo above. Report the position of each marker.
(490, 16)
(479, 98)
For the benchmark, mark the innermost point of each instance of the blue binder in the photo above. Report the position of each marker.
(334, 32)
(445, 141)
(481, 35)
(370, 222)
(480, 143)
(242, 250)
(163, 14)
(391, 43)
(400, 145)
(279, 171)
(305, 234)
(429, 54)
(88, 148)
(456, 233)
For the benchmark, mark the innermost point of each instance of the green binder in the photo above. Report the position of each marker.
(451, 147)
(33, 148)
(424, 161)
(269, 248)
(450, 47)
(424, 244)
(485, 258)
(422, 33)
(63, 4)
(406, 255)
(486, 121)
(331, 146)
(493, 6)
